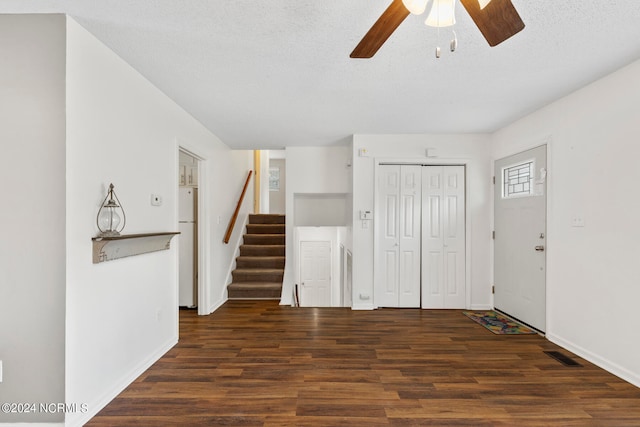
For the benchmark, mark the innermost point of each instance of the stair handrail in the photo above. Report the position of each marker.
(232, 222)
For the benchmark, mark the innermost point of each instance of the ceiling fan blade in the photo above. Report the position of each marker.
(498, 21)
(381, 30)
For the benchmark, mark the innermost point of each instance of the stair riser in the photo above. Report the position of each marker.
(260, 262)
(254, 294)
(265, 229)
(266, 219)
(267, 239)
(240, 276)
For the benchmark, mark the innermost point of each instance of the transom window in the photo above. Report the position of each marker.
(517, 180)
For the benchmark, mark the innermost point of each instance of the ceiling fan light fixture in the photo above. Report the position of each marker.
(442, 14)
(416, 7)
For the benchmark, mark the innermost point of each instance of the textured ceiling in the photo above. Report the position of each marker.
(276, 73)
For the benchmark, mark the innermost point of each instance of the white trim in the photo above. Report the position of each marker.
(605, 364)
(480, 307)
(367, 307)
(34, 424)
(97, 405)
(217, 304)
(426, 161)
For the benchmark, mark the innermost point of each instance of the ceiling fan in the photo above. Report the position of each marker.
(497, 20)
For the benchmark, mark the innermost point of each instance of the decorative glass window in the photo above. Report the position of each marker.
(274, 179)
(517, 180)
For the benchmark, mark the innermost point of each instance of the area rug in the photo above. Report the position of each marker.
(497, 323)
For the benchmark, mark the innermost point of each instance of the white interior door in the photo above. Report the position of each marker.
(520, 236)
(397, 278)
(443, 237)
(315, 274)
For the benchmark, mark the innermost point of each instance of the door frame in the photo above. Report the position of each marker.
(511, 150)
(425, 161)
(204, 253)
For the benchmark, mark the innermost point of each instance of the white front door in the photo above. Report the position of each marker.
(520, 236)
(397, 276)
(315, 274)
(443, 237)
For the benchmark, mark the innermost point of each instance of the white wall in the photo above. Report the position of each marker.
(592, 275)
(313, 170)
(32, 247)
(122, 315)
(474, 150)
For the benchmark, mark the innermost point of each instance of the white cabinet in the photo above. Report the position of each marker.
(188, 170)
(188, 175)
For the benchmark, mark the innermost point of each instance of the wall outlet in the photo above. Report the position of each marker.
(364, 297)
(156, 200)
(577, 221)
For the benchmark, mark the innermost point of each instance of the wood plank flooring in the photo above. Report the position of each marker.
(255, 363)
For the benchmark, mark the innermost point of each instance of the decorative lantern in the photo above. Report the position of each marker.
(111, 218)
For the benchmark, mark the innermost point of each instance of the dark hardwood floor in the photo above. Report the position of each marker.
(255, 363)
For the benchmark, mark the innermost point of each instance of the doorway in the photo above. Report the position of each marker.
(520, 209)
(420, 236)
(188, 228)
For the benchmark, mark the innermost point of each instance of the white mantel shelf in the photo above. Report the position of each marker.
(110, 248)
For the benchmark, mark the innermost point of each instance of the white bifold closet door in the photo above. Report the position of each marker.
(443, 237)
(397, 275)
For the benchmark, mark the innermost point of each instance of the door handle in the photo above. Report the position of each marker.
(540, 248)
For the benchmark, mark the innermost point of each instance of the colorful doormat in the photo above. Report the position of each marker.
(497, 323)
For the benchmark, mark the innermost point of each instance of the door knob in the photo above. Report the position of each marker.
(540, 248)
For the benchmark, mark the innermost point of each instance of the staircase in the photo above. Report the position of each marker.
(260, 266)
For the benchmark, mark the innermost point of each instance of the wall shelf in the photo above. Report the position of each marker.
(110, 248)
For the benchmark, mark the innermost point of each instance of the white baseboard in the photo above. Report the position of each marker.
(217, 305)
(481, 307)
(363, 307)
(32, 424)
(605, 364)
(124, 382)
